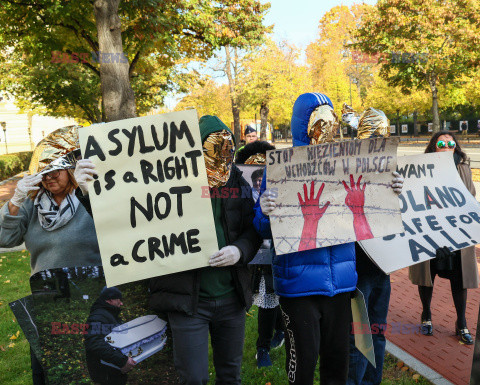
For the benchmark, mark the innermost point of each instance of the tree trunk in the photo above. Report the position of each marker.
(117, 93)
(263, 120)
(231, 76)
(436, 115)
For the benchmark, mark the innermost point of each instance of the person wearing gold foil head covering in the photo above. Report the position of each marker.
(314, 284)
(214, 299)
(44, 212)
(372, 281)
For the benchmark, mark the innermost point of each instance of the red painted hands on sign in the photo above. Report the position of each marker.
(312, 213)
(355, 200)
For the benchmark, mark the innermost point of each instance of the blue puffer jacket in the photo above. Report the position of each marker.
(326, 271)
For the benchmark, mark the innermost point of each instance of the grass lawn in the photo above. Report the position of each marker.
(14, 353)
(15, 357)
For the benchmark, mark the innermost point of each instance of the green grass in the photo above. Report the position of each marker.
(15, 361)
(14, 284)
(275, 375)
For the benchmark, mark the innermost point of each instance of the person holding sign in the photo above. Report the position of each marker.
(460, 266)
(214, 299)
(45, 213)
(372, 281)
(314, 285)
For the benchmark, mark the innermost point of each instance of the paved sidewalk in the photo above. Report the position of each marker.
(442, 352)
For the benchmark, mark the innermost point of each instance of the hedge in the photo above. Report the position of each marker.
(12, 164)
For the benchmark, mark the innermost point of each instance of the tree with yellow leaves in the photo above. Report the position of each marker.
(424, 43)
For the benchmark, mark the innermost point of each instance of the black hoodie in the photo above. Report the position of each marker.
(102, 319)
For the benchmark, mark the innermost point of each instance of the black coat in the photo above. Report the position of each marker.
(180, 291)
(102, 319)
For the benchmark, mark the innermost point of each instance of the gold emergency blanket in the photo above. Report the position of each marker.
(323, 125)
(55, 147)
(373, 123)
(218, 150)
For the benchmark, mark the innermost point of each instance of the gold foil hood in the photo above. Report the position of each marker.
(373, 123)
(323, 125)
(55, 151)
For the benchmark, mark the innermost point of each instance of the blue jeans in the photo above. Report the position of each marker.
(376, 289)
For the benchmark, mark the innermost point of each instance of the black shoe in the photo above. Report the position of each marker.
(465, 335)
(427, 328)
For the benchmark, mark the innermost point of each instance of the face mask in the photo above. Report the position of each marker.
(323, 125)
(218, 150)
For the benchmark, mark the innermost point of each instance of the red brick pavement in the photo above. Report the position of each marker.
(7, 189)
(441, 352)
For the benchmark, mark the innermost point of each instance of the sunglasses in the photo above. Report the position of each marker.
(52, 175)
(442, 144)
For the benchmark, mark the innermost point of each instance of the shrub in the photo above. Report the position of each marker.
(12, 164)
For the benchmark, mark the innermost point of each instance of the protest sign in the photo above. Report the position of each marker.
(437, 210)
(363, 338)
(147, 203)
(75, 316)
(333, 193)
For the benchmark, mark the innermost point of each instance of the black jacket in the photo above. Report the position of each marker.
(180, 291)
(102, 319)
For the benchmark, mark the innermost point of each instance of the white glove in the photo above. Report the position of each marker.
(397, 182)
(226, 256)
(84, 172)
(24, 186)
(268, 201)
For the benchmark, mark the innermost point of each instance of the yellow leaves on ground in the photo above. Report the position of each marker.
(11, 345)
(7, 281)
(15, 336)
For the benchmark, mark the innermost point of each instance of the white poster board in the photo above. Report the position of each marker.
(392, 129)
(404, 128)
(333, 193)
(437, 210)
(147, 203)
(430, 127)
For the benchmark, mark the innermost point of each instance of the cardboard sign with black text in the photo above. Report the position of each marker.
(437, 211)
(333, 193)
(147, 203)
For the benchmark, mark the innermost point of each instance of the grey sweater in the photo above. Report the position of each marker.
(74, 244)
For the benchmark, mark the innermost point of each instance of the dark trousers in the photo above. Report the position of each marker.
(225, 320)
(268, 321)
(376, 290)
(317, 325)
(459, 294)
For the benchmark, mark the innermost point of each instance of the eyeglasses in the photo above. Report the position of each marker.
(52, 175)
(442, 144)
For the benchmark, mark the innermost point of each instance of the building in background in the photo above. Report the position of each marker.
(23, 131)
